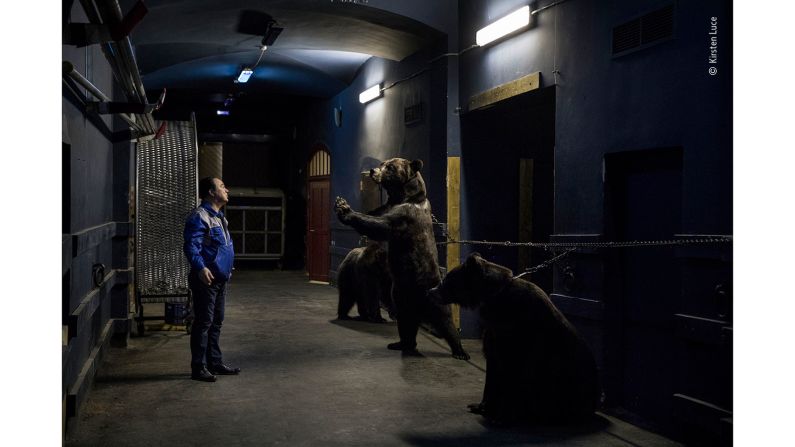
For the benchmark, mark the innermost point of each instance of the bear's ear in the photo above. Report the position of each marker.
(473, 261)
(416, 165)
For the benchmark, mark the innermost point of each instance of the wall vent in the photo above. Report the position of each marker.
(412, 114)
(642, 32)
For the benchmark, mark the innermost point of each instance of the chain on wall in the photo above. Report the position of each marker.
(569, 247)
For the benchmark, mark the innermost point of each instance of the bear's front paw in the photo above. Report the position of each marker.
(341, 207)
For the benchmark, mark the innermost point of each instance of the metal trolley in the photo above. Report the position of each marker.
(166, 192)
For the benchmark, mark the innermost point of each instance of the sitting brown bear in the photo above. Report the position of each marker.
(538, 369)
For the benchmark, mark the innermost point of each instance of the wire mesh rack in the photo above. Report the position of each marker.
(166, 171)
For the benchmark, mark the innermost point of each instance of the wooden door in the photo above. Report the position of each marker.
(317, 257)
(318, 212)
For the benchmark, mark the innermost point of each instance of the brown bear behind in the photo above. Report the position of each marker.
(363, 279)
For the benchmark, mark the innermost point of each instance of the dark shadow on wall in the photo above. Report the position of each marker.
(501, 199)
(495, 140)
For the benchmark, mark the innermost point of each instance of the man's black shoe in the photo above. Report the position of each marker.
(203, 375)
(225, 370)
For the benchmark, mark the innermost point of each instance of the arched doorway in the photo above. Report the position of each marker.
(318, 179)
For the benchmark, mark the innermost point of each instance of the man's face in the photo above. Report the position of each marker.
(220, 194)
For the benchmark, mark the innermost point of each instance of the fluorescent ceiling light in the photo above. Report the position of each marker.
(370, 94)
(244, 75)
(504, 26)
(222, 112)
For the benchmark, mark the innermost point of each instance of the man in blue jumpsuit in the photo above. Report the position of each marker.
(208, 247)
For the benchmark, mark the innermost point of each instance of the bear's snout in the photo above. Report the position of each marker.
(375, 174)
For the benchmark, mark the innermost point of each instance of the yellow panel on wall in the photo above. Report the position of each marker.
(525, 211)
(505, 91)
(454, 221)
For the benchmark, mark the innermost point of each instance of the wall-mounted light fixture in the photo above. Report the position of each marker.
(370, 94)
(222, 112)
(244, 75)
(504, 26)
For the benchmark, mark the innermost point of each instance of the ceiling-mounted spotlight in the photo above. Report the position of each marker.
(271, 33)
(504, 26)
(259, 23)
(370, 94)
(244, 75)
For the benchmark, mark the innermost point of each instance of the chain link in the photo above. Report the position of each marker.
(572, 246)
(545, 264)
(611, 244)
(608, 244)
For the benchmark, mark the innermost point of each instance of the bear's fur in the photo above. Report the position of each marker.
(363, 278)
(412, 257)
(538, 369)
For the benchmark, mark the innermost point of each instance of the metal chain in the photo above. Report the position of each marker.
(611, 244)
(545, 264)
(572, 246)
(443, 228)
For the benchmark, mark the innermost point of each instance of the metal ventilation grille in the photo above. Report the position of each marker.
(166, 173)
(647, 29)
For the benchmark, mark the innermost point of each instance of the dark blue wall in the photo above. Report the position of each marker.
(373, 132)
(97, 180)
(611, 111)
(658, 97)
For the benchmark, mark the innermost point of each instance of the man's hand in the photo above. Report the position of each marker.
(342, 208)
(206, 276)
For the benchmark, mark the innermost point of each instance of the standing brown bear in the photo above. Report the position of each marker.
(538, 369)
(412, 256)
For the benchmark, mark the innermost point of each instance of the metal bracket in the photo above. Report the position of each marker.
(109, 108)
(161, 130)
(84, 34)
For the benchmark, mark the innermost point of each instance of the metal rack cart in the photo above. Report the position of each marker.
(166, 171)
(256, 223)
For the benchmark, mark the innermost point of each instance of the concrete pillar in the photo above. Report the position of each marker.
(211, 157)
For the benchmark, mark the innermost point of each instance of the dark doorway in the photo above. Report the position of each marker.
(318, 209)
(66, 188)
(643, 200)
(508, 179)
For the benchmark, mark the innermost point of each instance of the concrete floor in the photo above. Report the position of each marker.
(306, 380)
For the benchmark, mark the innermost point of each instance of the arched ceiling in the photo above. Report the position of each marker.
(195, 44)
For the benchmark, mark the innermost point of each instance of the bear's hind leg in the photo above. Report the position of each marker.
(408, 323)
(346, 289)
(372, 297)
